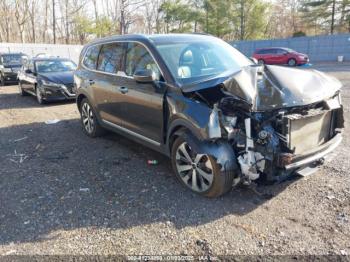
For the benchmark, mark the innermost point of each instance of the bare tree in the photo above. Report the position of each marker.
(21, 14)
(45, 18)
(6, 16)
(54, 21)
(127, 9)
(32, 11)
(152, 15)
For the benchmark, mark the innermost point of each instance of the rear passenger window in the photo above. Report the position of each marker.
(91, 56)
(138, 58)
(110, 58)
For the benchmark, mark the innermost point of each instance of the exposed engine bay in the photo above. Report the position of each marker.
(270, 137)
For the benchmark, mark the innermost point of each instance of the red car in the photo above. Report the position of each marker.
(280, 56)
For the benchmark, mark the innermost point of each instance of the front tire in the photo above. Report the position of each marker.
(292, 62)
(39, 97)
(199, 172)
(2, 81)
(89, 121)
(20, 89)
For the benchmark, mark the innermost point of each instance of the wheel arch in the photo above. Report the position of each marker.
(177, 128)
(80, 98)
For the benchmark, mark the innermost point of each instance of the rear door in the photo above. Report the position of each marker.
(107, 85)
(143, 101)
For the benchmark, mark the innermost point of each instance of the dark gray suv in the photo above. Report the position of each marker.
(222, 119)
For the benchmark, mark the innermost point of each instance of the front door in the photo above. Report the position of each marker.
(281, 56)
(143, 101)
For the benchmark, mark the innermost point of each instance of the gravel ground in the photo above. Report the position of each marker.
(64, 193)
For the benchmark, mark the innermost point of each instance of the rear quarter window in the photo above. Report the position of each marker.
(91, 56)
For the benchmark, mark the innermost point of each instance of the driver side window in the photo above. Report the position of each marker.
(138, 58)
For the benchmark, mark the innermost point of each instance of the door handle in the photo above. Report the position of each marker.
(123, 89)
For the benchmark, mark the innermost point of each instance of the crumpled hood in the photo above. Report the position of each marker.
(59, 77)
(297, 87)
(274, 87)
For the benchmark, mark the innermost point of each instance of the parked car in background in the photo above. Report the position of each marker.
(221, 118)
(10, 64)
(48, 79)
(280, 56)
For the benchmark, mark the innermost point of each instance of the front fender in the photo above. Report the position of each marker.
(188, 113)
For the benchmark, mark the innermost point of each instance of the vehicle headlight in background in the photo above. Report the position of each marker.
(7, 70)
(48, 83)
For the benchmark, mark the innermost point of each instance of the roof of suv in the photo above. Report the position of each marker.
(157, 38)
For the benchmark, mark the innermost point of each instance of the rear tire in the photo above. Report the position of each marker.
(89, 121)
(199, 172)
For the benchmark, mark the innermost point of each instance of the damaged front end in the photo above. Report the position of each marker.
(274, 126)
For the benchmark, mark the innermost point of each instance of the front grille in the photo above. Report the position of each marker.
(70, 87)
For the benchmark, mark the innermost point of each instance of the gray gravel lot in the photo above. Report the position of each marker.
(64, 193)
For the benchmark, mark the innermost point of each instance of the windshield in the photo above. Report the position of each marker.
(49, 66)
(192, 61)
(15, 59)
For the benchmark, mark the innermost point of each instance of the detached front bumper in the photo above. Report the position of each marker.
(316, 154)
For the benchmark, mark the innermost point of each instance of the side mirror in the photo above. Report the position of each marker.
(144, 76)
